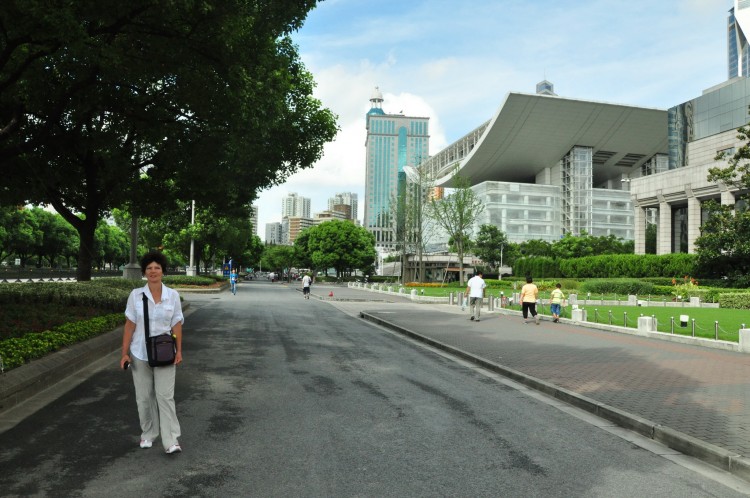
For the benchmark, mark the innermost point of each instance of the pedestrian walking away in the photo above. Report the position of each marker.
(154, 386)
(555, 302)
(529, 296)
(306, 283)
(475, 289)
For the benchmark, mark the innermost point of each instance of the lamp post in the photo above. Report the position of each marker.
(132, 270)
(191, 269)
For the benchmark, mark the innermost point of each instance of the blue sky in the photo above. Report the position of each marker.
(454, 61)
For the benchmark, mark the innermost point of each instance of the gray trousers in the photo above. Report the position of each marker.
(154, 394)
(475, 306)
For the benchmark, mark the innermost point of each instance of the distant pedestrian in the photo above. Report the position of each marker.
(529, 296)
(306, 283)
(555, 302)
(475, 289)
(233, 281)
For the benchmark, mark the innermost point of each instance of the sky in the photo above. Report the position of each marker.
(454, 61)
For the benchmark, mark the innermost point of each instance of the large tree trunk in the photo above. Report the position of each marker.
(461, 264)
(86, 231)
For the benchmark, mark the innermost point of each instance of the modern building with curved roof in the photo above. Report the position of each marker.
(546, 165)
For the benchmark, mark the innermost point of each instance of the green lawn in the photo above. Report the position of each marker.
(730, 320)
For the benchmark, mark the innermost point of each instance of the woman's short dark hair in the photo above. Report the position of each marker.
(528, 280)
(154, 257)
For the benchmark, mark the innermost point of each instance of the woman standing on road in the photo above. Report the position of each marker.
(154, 386)
(529, 296)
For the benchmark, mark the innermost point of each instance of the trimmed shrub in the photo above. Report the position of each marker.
(735, 300)
(19, 350)
(93, 294)
(623, 286)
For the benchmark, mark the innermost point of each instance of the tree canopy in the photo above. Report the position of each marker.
(456, 214)
(492, 246)
(723, 247)
(145, 103)
(341, 245)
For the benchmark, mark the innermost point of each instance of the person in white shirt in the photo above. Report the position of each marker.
(475, 289)
(154, 386)
(306, 281)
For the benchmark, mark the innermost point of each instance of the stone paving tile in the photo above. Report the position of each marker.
(702, 392)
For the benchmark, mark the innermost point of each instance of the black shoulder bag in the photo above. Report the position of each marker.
(162, 349)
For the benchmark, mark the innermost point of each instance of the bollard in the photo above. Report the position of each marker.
(671, 325)
(716, 330)
(610, 317)
(693, 327)
(450, 298)
(656, 322)
(625, 318)
(596, 315)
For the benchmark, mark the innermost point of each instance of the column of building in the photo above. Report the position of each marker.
(694, 218)
(664, 232)
(639, 234)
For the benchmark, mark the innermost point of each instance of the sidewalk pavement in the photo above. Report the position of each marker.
(693, 399)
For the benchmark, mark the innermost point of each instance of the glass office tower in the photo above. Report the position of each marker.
(738, 52)
(394, 141)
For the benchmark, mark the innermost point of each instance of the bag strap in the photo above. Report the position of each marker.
(145, 316)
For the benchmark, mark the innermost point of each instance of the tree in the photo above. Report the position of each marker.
(456, 214)
(651, 238)
(723, 248)
(252, 253)
(142, 104)
(111, 246)
(22, 235)
(341, 245)
(536, 247)
(278, 258)
(413, 222)
(491, 245)
(58, 237)
(302, 251)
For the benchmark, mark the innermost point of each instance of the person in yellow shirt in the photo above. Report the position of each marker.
(556, 299)
(529, 296)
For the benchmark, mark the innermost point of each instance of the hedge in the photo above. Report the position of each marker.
(19, 350)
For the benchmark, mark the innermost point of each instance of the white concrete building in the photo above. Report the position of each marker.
(545, 165)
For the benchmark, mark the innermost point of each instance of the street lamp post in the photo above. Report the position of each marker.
(191, 269)
(132, 270)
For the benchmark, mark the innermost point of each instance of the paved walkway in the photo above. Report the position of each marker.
(694, 399)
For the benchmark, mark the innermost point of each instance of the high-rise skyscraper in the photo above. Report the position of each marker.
(294, 205)
(738, 51)
(254, 219)
(273, 233)
(344, 199)
(394, 141)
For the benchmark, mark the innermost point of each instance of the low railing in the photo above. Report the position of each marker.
(8, 275)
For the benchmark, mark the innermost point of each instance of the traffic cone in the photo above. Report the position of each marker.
(330, 294)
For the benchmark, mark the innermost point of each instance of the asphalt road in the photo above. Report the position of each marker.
(282, 396)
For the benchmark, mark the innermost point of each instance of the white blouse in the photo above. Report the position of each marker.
(161, 317)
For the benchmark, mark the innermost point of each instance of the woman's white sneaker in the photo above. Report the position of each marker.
(146, 443)
(175, 448)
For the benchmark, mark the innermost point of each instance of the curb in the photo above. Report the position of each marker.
(22, 383)
(688, 445)
(25, 381)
